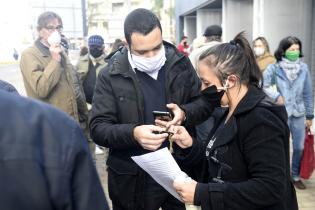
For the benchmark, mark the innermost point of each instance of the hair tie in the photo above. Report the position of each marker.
(232, 42)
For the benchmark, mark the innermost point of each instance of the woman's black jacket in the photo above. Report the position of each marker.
(247, 166)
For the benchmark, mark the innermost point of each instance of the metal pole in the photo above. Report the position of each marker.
(83, 6)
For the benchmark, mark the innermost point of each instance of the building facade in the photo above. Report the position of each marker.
(271, 19)
(106, 17)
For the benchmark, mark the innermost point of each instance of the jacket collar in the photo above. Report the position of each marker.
(249, 101)
(46, 53)
(42, 48)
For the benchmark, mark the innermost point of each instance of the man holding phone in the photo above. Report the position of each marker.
(140, 79)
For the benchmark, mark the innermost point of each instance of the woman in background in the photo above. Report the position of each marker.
(289, 82)
(262, 53)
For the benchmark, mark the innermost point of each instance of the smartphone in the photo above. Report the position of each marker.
(162, 115)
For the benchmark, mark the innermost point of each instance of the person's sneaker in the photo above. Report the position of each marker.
(98, 151)
(299, 184)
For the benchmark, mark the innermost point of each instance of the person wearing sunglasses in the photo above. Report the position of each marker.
(46, 69)
(245, 162)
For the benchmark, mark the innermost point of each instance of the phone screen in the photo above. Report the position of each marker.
(162, 115)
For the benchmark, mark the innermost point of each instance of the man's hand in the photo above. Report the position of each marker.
(55, 51)
(179, 115)
(147, 139)
(186, 190)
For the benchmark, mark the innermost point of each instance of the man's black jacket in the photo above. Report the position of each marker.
(118, 107)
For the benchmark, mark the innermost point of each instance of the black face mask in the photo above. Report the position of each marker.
(96, 52)
(212, 96)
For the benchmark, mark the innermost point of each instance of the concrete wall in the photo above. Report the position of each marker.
(206, 17)
(190, 27)
(288, 17)
(237, 16)
(185, 7)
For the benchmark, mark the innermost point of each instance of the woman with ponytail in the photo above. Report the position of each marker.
(245, 162)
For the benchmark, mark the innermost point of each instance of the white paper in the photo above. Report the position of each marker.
(162, 167)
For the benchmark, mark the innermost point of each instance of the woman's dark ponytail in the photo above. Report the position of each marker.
(235, 57)
(251, 69)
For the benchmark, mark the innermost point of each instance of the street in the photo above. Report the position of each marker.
(11, 73)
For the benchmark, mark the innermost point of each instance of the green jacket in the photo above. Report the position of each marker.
(83, 66)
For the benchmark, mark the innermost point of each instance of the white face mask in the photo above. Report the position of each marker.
(54, 38)
(151, 64)
(259, 51)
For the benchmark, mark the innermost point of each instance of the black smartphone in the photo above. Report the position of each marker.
(162, 115)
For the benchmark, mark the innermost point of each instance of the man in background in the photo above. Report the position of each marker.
(46, 68)
(45, 162)
(212, 37)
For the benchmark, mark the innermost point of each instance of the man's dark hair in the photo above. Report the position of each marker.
(45, 18)
(142, 21)
(286, 44)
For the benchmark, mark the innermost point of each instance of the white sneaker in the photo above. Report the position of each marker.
(98, 150)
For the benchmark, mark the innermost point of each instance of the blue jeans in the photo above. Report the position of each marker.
(297, 129)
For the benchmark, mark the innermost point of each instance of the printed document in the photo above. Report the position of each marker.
(162, 167)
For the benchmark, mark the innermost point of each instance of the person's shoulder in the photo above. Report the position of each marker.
(267, 112)
(304, 66)
(31, 49)
(272, 67)
(270, 58)
(7, 87)
(33, 114)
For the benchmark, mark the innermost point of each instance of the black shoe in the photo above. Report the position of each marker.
(299, 184)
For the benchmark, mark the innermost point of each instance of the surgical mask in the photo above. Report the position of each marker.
(54, 38)
(292, 55)
(96, 52)
(151, 64)
(259, 51)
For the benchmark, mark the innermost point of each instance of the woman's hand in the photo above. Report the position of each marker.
(280, 100)
(186, 190)
(181, 137)
(308, 124)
